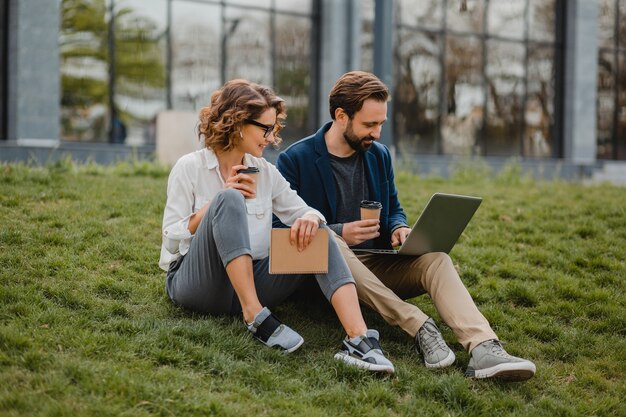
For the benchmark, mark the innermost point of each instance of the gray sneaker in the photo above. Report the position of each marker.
(269, 330)
(490, 360)
(432, 347)
(365, 352)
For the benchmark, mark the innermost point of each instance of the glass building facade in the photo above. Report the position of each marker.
(475, 77)
(124, 61)
(469, 77)
(611, 116)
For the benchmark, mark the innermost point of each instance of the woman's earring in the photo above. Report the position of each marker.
(241, 134)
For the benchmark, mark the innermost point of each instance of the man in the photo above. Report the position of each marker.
(342, 164)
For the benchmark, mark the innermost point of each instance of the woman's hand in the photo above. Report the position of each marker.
(304, 230)
(243, 183)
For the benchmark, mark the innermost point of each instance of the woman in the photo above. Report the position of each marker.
(217, 221)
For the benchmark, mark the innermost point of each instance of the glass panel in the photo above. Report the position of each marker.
(464, 96)
(542, 20)
(298, 6)
(84, 71)
(140, 69)
(506, 18)
(621, 109)
(416, 94)
(196, 46)
(367, 37)
(466, 15)
(538, 138)
(420, 13)
(606, 105)
(505, 84)
(292, 74)
(606, 23)
(622, 26)
(248, 45)
(3, 67)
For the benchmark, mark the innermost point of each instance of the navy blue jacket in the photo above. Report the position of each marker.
(306, 165)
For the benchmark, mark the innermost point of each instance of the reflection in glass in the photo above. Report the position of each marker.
(196, 54)
(140, 71)
(621, 109)
(139, 91)
(464, 96)
(420, 13)
(291, 74)
(296, 6)
(606, 105)
(538, 136)
(367, 36)
(84, 71)
(622, 27)
(506, 18)
(505, 86)
(416, 94)
(606, 23)
(248, 45)
(542, 16)
(466, 15)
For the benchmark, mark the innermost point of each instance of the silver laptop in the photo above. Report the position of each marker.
(438, 227)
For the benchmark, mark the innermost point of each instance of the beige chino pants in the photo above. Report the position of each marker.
(384, 282)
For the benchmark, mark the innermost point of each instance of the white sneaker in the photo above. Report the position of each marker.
(490, 360)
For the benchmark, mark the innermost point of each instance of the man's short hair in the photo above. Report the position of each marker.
(352, 89)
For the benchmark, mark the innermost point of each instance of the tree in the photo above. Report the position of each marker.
(85, 55)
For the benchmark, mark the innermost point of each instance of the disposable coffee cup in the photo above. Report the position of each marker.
(370, 209)
(251, 171)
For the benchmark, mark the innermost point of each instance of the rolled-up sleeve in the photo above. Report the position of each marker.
(178, 210)
(286, 203)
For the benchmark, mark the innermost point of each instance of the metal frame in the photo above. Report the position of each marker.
(559, 85)
(383, 60)
(4, 51)
(273, 11)
(616, 51)
(314, 117)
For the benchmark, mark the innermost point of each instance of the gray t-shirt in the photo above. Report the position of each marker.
(351, 187)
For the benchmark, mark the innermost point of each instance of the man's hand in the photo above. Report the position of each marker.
(399, 236)
(360, 231)
(303, 231)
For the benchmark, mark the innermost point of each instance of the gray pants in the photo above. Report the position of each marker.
(198, 280)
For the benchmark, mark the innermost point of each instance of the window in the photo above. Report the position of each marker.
(474, 76)
(116, 82)
(611, 104)
(4, 20)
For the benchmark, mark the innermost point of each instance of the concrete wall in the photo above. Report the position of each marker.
(580, 89)
(176, 135)
(33, 96)
(340, 46)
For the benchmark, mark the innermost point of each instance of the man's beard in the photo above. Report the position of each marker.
(356, 143)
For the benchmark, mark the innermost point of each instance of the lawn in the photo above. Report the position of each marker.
(87, 330)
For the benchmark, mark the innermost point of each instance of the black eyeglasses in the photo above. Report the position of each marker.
(268, 128)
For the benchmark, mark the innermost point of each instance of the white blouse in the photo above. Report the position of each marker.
(195, 179)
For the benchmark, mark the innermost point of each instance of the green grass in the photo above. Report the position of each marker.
(87, 330)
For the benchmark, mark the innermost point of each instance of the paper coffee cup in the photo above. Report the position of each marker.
(370, 209)
(252, 172)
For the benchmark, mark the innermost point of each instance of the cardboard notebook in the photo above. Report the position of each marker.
(285, 258)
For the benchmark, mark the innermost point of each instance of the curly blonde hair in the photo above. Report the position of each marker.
(237, 100)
